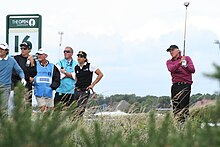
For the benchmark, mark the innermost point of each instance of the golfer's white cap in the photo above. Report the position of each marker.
(4, 46)
(41, 51)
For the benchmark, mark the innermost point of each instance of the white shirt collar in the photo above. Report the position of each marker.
(83, 65)
(6, 58)
(69, 62)
(44, 65)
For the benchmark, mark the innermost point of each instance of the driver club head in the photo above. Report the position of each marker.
(186, 4)
(216, 42)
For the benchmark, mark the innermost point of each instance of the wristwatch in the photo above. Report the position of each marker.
(65, 72)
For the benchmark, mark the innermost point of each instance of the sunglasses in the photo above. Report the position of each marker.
(80, 56)
(66, 51)
(24, 48)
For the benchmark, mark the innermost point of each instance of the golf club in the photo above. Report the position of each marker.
(218, 43)
(184, 43)
(60, 33)
(60, 44)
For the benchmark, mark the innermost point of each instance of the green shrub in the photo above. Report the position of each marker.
(22, 129)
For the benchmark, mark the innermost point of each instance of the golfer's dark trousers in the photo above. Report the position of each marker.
(81, 97)
(65, 99)
(180, 95)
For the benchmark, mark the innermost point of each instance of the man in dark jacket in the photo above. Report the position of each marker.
(27, 63)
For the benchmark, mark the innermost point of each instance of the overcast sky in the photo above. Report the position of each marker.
(127, 39)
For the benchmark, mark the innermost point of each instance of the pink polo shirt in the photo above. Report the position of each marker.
(180, 73)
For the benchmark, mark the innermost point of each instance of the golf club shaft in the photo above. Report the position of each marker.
(184, 43)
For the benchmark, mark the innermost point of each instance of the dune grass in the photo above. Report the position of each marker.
(59, 129)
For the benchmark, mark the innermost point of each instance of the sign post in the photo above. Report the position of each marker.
(24, 27)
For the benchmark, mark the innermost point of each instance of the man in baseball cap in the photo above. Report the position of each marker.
(26, 44)
(7, 65)
(41, 51)
(172, 47)
(4, 46)
(26, 61)
(46, 80)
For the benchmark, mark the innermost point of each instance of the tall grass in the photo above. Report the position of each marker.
(58, 129)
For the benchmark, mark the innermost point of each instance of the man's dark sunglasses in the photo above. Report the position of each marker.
(80, 56)
(24, 48)
(66, 51)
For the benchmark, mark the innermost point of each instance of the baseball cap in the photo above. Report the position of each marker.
(27, 44)
(172, 47)
(4, 46)
(82, 53)
(41, 51)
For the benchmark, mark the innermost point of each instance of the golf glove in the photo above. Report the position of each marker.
(23, 81)
(184, 63)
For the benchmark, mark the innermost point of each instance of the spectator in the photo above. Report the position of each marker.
(7, 64)
(46, 80)
(64, 93)
(27, 63)
(84, 73)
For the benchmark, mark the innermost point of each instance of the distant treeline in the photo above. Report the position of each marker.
(149, 102)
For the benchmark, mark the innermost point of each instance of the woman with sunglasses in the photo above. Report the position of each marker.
(84, 73)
